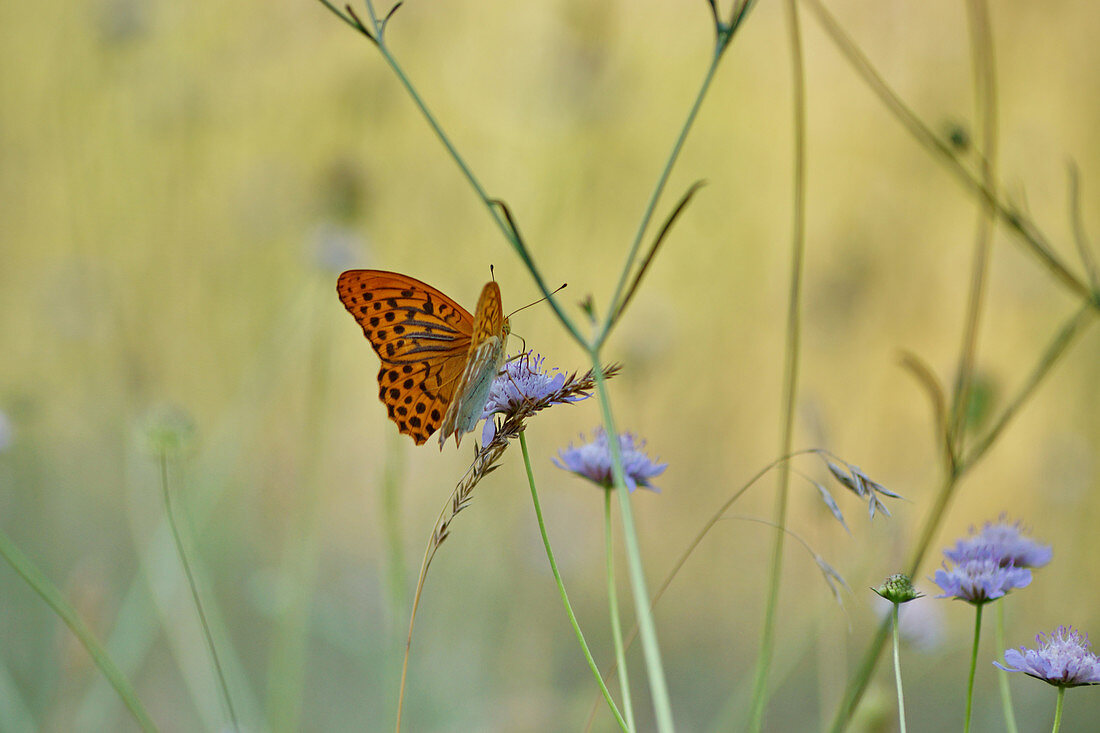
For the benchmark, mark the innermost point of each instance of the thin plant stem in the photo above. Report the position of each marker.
(790, 367)
(1002, 676)
(897, 670)
(224, 686)
(561, 586)
(985, 96)
(973, 664)
(613, 307)
(655, 671)
(1058, 709)
(49, 593)
(613, 609)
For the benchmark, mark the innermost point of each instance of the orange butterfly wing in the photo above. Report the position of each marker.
(486, 356)
(422, 337)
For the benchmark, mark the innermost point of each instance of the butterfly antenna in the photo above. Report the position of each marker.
(492, 276)
(517, 310)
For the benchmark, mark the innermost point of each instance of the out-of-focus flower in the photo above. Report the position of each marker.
(167, 430)
(1004, 541)
(592, 460)
(898, 588)
(1063, 659)
(525, 387)
(980, 577)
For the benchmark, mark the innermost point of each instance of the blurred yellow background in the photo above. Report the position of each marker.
(181, 184)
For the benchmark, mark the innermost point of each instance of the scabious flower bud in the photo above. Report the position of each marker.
(898, 588)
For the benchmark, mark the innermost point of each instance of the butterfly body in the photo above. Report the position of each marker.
(438, 360)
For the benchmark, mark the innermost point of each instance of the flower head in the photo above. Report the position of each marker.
(898, 588)
(980, 576)
(1004, 541)
(592, 460)
(1063, 659)
(525, 387)
(523, 381)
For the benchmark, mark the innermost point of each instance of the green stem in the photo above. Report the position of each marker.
(790, 368)
(897, 670)
(561, 586)
(651, 206)
(494, 211)
(1002, 676)
(48, 592)
(973, 664)
(195, 593)
(613, 608)
(1058, 709)
(655, 671)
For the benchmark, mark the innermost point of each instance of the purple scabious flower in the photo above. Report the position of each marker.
(1063, 659)
(1005, 541)
(524, 387)
(979, 576)
(524, 381)
(592, 460)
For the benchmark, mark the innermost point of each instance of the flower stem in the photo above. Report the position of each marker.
(1002, 676)
(195, 593)
(897, 671)
(790, 365)
(655, 671)
(973, 664)
(1058, 709)
(561, 586)
(613, 608)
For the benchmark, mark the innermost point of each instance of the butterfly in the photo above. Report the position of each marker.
(438, 361)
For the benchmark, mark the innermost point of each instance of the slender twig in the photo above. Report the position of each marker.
(1002, 676)
(790, 366)
(561, 586)
(1084, 248)
(985, 98)
(224, 686)
(658, 686)
(684, 200)
(1058, 709)
(897, 669)
(973, 664)
(613, 610)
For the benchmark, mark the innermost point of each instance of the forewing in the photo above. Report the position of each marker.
(489, 318)
(422, 338)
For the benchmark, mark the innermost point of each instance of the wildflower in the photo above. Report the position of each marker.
(1063, 659)
(980, 576)
(523, 381)
(525, 387)
(592, 460)
(898, 588)
(1004, 541)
